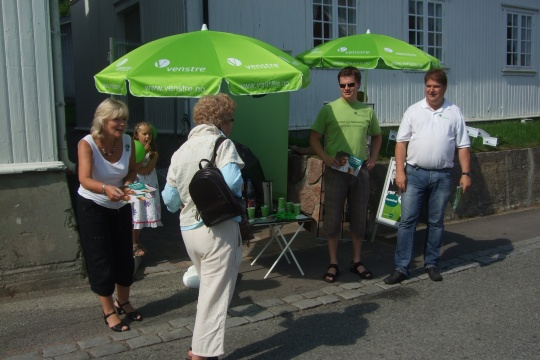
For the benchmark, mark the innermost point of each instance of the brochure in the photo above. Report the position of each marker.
(138, 191)
(457, 197)
(349, 163)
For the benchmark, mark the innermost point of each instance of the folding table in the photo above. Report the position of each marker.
(276, 233)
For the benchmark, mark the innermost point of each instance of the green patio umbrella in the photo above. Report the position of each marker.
(368, 51)
(195, 64)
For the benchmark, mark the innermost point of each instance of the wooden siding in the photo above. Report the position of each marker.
(156, 22)
(92, 28)
(474, 65)
(27, 121)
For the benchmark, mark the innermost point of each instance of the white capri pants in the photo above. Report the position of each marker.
(216, 253)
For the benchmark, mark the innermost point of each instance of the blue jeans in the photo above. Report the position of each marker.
(436, 186)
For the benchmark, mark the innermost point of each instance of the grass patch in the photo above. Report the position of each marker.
(510, 134)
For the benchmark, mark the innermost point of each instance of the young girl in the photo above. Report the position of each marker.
(146, 213)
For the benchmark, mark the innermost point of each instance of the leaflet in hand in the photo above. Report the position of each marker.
(457, 197)
(349, 163)
(138, 191)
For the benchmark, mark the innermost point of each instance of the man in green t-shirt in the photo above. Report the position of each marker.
(346, 123)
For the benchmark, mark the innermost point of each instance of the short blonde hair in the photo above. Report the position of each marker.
(213, 109)
(108, 109)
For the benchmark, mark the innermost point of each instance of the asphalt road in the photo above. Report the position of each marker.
(488, 312)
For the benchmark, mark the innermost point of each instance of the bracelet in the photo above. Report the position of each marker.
(103, 188)
(466, 174)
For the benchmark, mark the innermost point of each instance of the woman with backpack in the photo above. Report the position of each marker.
(215, 251)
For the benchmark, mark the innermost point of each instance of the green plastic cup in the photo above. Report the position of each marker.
(251, 212)
(281, 205)
(289, 207)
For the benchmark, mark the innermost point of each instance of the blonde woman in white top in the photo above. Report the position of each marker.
(106, 163)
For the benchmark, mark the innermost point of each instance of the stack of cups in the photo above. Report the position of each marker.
(251, 212)
(289, 207)
(281, 205)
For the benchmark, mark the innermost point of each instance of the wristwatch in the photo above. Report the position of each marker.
(466, 174)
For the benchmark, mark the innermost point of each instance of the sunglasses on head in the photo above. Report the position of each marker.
(349, 85)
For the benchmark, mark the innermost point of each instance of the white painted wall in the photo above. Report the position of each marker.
(474, 52)
(474, 65)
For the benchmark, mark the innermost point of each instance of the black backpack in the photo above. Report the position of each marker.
(212, 196)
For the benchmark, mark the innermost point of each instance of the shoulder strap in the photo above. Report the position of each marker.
(219, 140)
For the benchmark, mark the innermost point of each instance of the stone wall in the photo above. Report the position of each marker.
(502, 181)
(39, 242)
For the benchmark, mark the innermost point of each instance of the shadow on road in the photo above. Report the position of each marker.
(303, 334)
(455, 245)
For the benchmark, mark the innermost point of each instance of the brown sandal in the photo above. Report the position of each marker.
(188, 357)
(138, 251)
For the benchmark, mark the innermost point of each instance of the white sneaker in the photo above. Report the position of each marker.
(191, 278)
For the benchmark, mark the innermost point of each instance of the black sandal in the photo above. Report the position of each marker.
(329, 277)
(366, 274)
(134, 315)
(118, 327)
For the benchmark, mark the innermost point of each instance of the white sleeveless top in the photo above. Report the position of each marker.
(108, 173)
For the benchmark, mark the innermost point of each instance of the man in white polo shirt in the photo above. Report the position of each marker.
(428, 135)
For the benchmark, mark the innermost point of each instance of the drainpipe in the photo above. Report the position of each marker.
(206, 19)
(58, 79)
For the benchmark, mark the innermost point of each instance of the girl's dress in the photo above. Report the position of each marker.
(147, 213)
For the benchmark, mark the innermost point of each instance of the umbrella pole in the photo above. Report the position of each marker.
(365, 88)
(175, 115)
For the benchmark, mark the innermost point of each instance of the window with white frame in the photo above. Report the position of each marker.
(333, 19)
(518, 38)
(425, 26)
